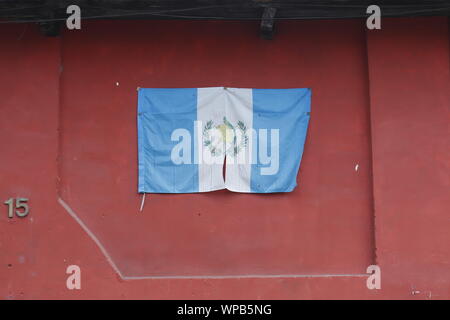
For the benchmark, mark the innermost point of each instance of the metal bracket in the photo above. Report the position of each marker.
(267, 23)
(50, 28)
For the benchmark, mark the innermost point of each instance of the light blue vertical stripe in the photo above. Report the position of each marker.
(160, 112)
(286, 110)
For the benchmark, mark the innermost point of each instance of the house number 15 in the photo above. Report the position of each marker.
(21, 206)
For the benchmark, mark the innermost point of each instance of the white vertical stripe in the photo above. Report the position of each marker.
(239, 107)
(210, 106)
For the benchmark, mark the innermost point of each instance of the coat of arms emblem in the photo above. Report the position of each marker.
(225, 138)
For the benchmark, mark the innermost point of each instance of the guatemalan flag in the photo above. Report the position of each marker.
(205, 139)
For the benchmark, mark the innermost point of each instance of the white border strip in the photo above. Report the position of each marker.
(91, 235)
(250, 276)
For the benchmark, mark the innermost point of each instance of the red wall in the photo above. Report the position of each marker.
(68, 140)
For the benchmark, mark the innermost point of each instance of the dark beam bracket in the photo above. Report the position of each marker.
(51, 26)
(267, 23)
